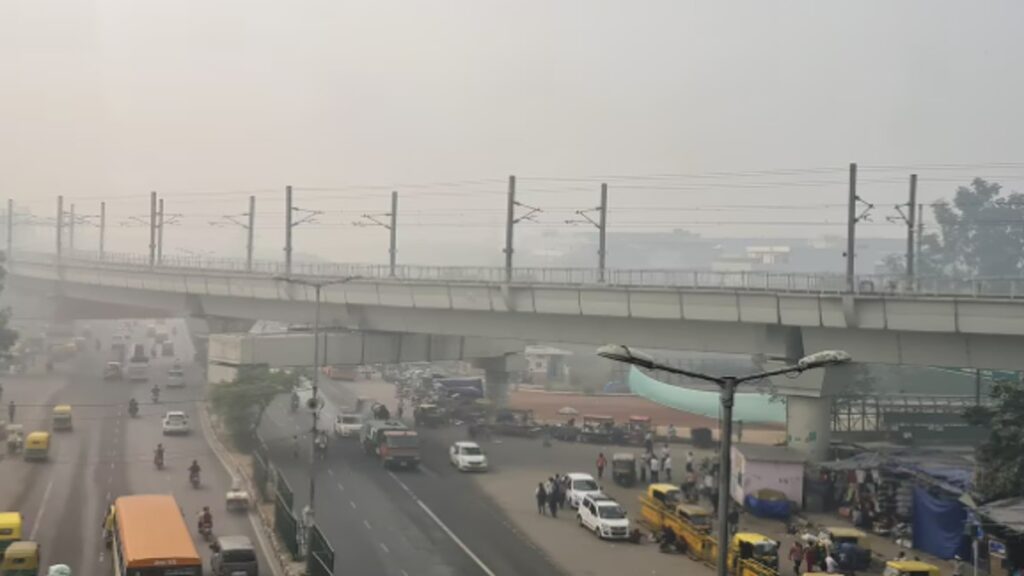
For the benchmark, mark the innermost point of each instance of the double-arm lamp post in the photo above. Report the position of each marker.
(727, 386)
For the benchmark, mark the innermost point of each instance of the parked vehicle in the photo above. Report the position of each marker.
(113, 372)
(910, 568)
(624, 469)
(637, 428)
(580, 485)
(516, 422)
(176, 377)
(467, 457)
(399, 448)
(599, 429)
(429, 415)
(603, 516)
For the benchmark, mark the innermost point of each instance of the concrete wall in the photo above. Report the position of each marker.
(749, 476)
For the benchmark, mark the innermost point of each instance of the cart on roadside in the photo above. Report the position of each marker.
(237, 498)
(599, 429)
(15, 438)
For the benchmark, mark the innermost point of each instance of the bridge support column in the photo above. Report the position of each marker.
(498, 372)
(808, 411)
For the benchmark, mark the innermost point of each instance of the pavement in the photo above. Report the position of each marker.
(107, 455)
(430, 522)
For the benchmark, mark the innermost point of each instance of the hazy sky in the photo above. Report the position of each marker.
(747, 104)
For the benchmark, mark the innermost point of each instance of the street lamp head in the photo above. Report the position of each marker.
(620, 353)
(823, 358)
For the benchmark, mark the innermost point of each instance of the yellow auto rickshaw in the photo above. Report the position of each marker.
(37, 445)
(10, 529)
(62, 417)
(910, 568)
(21, 559)
(854, 542)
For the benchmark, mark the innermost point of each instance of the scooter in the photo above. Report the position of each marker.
(206, 531)
(194, 479)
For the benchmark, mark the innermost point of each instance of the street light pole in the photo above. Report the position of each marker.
(727, 385)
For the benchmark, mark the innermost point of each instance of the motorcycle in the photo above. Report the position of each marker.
(158, 461)
(133, 409)
(206, 530)
(194, 479)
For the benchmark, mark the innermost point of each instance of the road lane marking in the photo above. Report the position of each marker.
(404, 573)
(429, 472)
(443, 526)
(340, 487)
(42, 509)
(352, 504)
(384, 548)
(330, 471)
(367, 524)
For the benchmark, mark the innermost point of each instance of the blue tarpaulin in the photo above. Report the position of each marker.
(767, 508)
(939, 525)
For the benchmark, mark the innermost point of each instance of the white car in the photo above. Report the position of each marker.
(175, 422)
(467, 457)
(580, 485)
(348, 425)
(603, 516)
(175, 378)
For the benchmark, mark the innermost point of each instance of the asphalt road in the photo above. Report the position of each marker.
(430, 522)
(106, 455)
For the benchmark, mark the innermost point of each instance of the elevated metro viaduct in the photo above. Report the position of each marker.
(783, 325)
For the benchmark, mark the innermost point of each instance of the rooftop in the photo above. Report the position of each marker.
(761, 453)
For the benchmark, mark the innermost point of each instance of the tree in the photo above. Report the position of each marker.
(981, 234)
(7, 336)
(1000, 458)
(242, 403)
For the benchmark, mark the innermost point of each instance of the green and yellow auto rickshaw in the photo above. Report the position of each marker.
(21, 559)
(10, 529)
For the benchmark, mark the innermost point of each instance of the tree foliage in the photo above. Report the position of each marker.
(1000, 458)
(980, 234)
(242, 403)
(8, 336)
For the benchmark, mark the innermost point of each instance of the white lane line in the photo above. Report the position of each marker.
(42, 509)
(352, 504)
(443, 526)
(384, 548)
(330, 471)
(340, 487)
(367, 524)
(404, 573)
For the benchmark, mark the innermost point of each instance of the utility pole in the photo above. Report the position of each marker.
(160, 233)
(103, 227)
(393, 250)
(920, 235)
(391, 225)
(71, 230)
(288, 231)
(249, 236)
(152, 228)
(510, 221)
(911, 222)
(603, 229)
(10, 227)
(60, 225)
(851, 232)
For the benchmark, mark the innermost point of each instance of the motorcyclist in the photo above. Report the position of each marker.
(133, 407)
(193, 471)
(158, 456)
(295, 401)
(156, 393)
(10, 411)
(205, 521)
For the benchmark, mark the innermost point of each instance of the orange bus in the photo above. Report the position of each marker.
(150, 538)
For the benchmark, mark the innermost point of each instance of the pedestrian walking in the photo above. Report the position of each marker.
(563, 491)
(664, 451)
(689, 461)
(666, 465)
(655, 465)
(672, 432)
(810, 558)
(831, 566)
(10, 411)
(553, 499)
(649, 443)
(601, 463)
(796, 554)
(643, 468)
(958, 566)
(542, 497)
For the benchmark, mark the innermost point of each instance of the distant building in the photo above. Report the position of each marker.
(547, 365)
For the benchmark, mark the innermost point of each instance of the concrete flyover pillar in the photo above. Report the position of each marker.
(808, 411)
(498, 372)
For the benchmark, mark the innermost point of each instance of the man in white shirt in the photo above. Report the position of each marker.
(666, 465)
(831, 566)
(655, 467)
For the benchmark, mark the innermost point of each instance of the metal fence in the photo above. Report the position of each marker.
(320, 560)
(286, 525)
(261, 470)
(882, 284)
(284, 490)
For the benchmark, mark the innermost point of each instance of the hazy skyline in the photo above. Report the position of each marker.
(756, 103)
